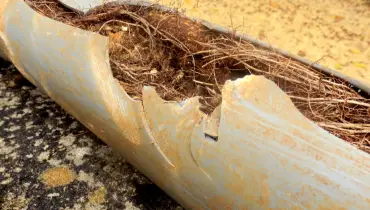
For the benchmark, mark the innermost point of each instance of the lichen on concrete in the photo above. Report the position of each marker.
(58, 176)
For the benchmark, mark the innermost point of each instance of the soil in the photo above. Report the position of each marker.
(181, 58)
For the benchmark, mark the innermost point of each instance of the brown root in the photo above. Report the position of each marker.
(182, 58)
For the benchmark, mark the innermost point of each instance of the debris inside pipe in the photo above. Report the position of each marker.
(182, 58)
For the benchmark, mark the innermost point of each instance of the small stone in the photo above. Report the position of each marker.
(37, 143)
(13, 128)
(74, 125)
(67, 140)
(6, 181)
(77, 155)
(43, 156)
(54, 162)
(89, 179)
(51, 195)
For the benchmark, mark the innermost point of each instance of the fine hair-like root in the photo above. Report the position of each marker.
(182, 58)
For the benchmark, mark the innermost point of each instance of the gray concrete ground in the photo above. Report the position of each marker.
(48, 160)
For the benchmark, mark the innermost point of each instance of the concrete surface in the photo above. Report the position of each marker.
(48, 160)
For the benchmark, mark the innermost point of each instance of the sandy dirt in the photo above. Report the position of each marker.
(334, 33)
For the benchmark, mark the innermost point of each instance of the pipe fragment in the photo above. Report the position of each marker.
(267, 154)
